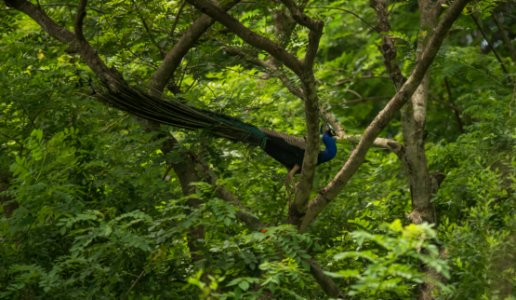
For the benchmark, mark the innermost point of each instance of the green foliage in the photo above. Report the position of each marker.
(90, 209)
(387, 265)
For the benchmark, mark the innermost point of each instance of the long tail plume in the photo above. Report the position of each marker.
(177, 114)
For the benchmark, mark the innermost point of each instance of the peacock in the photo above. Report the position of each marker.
(286, 149)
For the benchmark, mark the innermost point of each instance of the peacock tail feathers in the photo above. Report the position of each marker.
(178, 114)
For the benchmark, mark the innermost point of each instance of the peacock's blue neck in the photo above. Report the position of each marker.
(330, 151)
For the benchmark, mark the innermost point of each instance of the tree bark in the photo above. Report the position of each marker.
(413, 122)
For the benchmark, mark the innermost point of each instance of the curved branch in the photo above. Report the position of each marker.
(250, 37)
(81, 13)
(173, 57)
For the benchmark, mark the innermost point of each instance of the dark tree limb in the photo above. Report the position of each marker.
(79, 19)
(176, 19)
(330, 288)
(250, 37)
(311, 101)
(300, 17)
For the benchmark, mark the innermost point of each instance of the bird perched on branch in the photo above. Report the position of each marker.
(286, 149)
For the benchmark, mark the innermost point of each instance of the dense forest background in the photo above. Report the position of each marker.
(418, 204)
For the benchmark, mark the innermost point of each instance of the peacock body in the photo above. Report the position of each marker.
(286, 149)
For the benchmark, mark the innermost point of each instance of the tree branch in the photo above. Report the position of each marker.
(328, 285)
(173, 57)
(81, 13)
(388, 50)
(300, 16)
(268, 66)
(381, 120)
(250, 37)
(315, 26)
(38, 15)
(454, 108)
(379, 142)
(311, 101)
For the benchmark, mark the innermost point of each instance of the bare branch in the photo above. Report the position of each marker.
(147, 29)
(269, 67)
(384, 143)
(328, 285)
(81, 13)
(313, 45)
(387, 48)
(371, 27)
(304, 186)
(454, 107)
(311, 101)
(300, 17)
(252, 38)
(38, 15)
(357, 156)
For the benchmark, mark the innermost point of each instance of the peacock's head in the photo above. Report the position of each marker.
(327, 128)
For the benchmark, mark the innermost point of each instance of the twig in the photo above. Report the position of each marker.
(454, 108)
(373, 28)
(248, 35)
(479, 26)
(176, 20)
(148, 31)
(505, 37)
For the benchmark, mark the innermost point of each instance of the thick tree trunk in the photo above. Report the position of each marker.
(413, 122)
